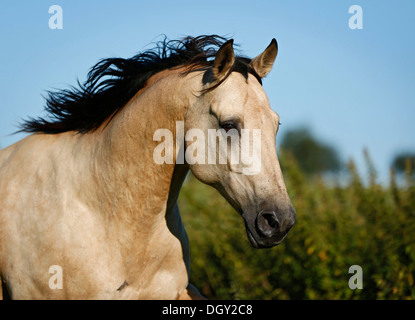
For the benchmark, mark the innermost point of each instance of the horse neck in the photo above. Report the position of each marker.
(134, 185)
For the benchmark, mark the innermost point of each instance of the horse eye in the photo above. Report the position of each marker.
(228, 126)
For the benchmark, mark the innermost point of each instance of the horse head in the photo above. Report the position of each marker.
(235, 107)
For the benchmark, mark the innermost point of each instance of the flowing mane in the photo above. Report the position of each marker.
(112, 82)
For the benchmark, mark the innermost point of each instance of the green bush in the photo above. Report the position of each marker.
(338, 225)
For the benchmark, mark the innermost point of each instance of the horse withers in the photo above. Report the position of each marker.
(84, 194)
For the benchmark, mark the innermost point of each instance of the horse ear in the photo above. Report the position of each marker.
(224, 60)
(263, 63)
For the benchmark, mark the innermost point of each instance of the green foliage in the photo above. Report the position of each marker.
(338, 226)
(312, 155)
(404, 162)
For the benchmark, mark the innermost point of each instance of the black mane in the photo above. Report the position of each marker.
(112, 82)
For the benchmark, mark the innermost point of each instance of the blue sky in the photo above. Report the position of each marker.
(354, 88)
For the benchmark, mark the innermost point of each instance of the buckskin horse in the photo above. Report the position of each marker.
(82, 191)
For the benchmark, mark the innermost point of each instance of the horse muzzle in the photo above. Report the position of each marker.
(268, 228)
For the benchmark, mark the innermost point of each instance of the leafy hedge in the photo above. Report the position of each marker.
(338, 225)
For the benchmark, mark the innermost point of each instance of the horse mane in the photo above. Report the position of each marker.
(112, 82)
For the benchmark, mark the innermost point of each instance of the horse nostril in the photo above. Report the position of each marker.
(267, 224)
(273, 223)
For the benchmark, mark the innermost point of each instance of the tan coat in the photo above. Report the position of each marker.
(101, 209)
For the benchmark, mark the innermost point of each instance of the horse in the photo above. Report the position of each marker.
(82, 193)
